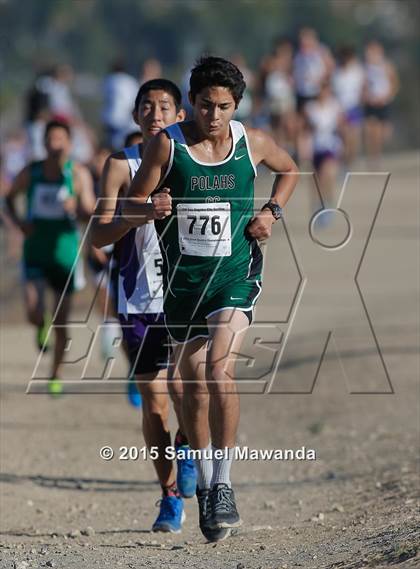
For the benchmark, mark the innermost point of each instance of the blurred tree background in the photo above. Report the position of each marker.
(89, 34)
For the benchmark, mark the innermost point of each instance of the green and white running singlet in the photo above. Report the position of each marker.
(50, 251)
(210, 263)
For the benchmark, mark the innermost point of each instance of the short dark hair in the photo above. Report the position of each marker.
(118, 66)
(128, 141)
(56, 123)
(345, 53)
(159, 85)
(211, 71)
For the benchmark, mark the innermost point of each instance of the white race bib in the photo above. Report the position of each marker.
(204, 229)
(153, 264)
(48, 201)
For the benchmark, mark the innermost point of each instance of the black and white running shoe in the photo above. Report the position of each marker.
(205, 519)
(223, 508)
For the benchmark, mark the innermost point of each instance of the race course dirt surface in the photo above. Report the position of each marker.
(355, 405)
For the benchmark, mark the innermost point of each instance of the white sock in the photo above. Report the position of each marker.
(221, 467)
(109, 333)
(204, 468)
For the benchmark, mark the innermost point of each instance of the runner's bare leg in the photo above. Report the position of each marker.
(153, 389)
(190, 359)
(227, 331)
(60, 321)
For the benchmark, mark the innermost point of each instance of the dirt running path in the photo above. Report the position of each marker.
(352, 507)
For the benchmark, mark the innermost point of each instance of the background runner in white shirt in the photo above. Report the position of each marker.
(325, 117)
(380, 89)
(348, 83)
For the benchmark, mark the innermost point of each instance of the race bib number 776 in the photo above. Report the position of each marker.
(204, 229)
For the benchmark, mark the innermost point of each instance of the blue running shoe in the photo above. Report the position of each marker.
(133, 394)
(324, 219)
(186, 478)
(171, 515)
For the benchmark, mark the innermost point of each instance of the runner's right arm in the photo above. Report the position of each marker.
(147, 180)
(107, 225)
(83, 185)
(19, 186)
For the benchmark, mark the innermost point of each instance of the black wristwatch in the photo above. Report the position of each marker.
(275, 209)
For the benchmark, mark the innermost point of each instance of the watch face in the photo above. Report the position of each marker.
(277, 211)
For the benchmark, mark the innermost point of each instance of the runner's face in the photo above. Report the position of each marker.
(157, 110)
(374, 53)
(213, 109)
(57, 142)
(308, 41)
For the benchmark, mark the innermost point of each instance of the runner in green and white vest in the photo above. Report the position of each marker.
(206, 244)
(57, 192)
(204, 170)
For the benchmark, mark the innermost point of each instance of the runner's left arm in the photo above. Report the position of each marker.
(394, 82)
(264, 150)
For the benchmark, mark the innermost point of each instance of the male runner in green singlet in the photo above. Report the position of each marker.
(58, 191)
(212, 262)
